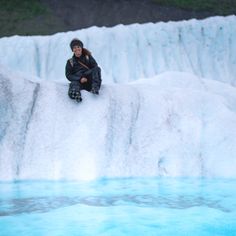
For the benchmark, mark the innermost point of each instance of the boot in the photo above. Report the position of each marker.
(95, 90)
(78, 97)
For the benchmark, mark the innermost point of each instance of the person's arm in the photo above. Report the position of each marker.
(69, 73)
(92, 62)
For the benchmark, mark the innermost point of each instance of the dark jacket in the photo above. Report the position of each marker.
(77, 71)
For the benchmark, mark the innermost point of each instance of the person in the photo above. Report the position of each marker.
(82, 71)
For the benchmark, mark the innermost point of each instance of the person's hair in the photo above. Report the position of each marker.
(86, 52)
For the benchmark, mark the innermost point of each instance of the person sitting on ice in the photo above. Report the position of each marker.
(82, 71)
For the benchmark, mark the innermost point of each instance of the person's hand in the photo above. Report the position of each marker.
(83, 80)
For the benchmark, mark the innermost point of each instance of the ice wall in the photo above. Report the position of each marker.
(175, 124)
(205, 48)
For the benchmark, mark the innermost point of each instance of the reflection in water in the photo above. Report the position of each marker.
(46, 204)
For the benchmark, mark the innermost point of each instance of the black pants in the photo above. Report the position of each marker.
(94, 81)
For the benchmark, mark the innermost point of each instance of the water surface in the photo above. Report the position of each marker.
(130, 206)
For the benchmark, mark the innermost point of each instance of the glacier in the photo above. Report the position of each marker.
(205, 48)
(167, 105)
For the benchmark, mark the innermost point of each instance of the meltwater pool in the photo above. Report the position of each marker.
(117, 207)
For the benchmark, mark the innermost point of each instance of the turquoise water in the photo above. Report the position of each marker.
(133, 206)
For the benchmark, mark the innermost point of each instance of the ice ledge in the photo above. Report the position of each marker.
(174, 124)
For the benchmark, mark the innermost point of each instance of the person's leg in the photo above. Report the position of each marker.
(74, 91)
(96, 80)
(88, 85)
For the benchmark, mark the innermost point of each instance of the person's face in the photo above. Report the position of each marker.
(77, 50)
